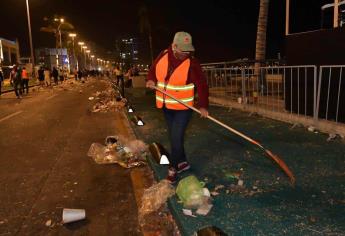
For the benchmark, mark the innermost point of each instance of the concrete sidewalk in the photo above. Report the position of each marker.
(267, 204)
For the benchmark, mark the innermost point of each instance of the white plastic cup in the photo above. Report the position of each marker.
(239, 100)
(72, 215)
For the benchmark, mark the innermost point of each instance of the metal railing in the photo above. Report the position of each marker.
(296, 94)
(331, 93)
(281, 88)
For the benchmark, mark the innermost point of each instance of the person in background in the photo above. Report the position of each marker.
(41, 76)
(119, 75)
(16, 80)
(61, 75)
(47, 79)
(25, 81)
(177, 72)
(55, 75)
(1, 79)
(80, 74)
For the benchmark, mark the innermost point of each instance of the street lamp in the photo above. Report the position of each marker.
(73, 35)
(30, 36)
(92, 64)
(81, 44)
(84, 47)
(61, 22)
(88, 56)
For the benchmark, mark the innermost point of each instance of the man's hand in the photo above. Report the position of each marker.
(203, 112)
(150, 84)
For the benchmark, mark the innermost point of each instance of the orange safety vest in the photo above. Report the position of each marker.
(24, 74)
(176, 85)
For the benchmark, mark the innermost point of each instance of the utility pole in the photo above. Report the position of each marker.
(336, 14)
(30, 36)
(287, 18)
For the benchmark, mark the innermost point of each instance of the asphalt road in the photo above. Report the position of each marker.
(44, 167)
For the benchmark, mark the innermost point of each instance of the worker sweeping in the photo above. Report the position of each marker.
(178, 73)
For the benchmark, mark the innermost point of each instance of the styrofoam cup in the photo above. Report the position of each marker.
(71, 215)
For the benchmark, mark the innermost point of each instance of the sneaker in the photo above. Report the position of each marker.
(183, 166)
(172, 175)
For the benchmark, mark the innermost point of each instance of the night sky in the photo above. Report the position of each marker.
(221, 29)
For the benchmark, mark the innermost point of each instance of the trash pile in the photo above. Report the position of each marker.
(108, 100)
(155, 196)
(194, 196)
(118, 149)
(191, 192)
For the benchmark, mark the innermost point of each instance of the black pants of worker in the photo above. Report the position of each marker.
(177, 122)
(17, 85)
(119, 78)
(25, 85)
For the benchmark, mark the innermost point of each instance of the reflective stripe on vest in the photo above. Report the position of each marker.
(176, 86)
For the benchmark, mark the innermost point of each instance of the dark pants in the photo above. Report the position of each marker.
(177, 122)
(25, 85)
(17, 85)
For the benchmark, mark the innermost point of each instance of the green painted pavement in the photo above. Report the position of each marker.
(315, 206)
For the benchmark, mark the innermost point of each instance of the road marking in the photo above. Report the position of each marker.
(9, 116)
(54, 95)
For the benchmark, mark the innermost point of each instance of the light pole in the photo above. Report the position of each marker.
(60, 41)
(88, 56)
(81, 44)
(73, 35)
(92, 64)
(30, 36)
(84, 47)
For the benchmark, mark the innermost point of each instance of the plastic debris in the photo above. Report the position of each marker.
(91, 98)
(48, 223)
(126, 153)
(107, 101)
(331, 137)
(188, 212)
(204, 209)
(101, 154)
(190, 192)
(72, 215)
(311, 128)
(155, 196)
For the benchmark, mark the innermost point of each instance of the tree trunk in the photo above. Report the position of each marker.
(260, 54)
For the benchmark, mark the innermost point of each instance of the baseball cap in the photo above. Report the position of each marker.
(183, 40)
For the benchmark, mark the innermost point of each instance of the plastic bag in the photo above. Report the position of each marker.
(155, 196)
(190, 192)
(102, 154)
(137, 146)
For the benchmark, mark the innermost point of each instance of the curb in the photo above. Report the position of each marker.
(135, 176)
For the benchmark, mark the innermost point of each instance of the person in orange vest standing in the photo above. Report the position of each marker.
(177, 72)
(25, 81)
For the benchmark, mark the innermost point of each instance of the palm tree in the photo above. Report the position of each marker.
(260, 54)
(145, 26)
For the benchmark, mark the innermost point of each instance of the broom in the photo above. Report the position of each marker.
(274, 157)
